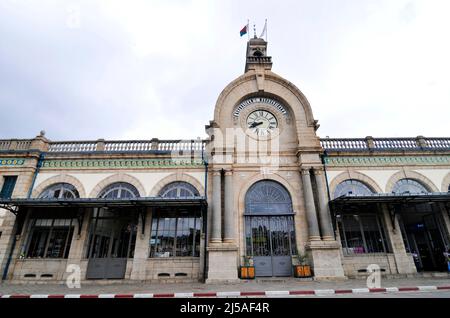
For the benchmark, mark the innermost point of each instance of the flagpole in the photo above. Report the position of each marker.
(266, 30)
(248, 27)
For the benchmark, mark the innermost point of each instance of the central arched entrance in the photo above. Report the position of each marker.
(269, 228)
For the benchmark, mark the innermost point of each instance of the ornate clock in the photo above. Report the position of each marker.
(261, 122)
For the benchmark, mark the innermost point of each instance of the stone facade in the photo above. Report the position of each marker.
(222, 169)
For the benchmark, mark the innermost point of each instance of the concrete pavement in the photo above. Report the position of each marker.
(289, 287)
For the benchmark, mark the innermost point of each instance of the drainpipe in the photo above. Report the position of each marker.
(205, 222)
(17, 227)
(36, 172)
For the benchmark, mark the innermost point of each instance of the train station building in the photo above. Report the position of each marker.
(262, 188)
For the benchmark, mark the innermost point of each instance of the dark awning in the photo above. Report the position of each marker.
(368, 203)
(392, 198)
(99, 202)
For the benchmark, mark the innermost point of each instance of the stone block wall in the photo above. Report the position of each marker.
(174, 269)
(354, 265)
(38, 270)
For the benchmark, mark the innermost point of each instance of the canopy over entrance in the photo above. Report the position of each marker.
(420, 218)
(13, 204)
(391, 198)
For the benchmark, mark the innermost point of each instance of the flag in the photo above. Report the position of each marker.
(264, 31)
(244, 30)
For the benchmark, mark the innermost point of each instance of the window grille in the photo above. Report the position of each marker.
(60, 191)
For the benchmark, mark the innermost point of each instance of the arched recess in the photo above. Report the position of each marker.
(268, 197)
(120, 177)
(354, 176)
(274, 85)
(408, 174)
(446, 184)
(273, 177)
(177, 177)
(62, 178)
(269, 218)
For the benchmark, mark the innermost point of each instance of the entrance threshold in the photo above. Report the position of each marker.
(282, 279)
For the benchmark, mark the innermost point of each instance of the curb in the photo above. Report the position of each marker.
(317, 292)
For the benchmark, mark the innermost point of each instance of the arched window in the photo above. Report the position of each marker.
(178, 189)
(119, 190)
(268, 197)
(175, 231)
(409, 186)
(352, 187)
(60, 191)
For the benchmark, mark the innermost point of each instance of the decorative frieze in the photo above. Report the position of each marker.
(121, 163)
(9, 162)
(387, 160)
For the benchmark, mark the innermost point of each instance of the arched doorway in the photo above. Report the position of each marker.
(269, 228)
(112, 235)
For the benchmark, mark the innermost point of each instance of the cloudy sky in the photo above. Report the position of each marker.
(141, 69)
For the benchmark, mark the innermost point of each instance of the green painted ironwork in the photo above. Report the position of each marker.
(387, 160)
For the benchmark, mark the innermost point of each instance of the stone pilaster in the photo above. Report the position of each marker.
(8, 228)
(404, 262)
(141, 250)
(40, 142)
(78, 246)
(326, 260)
(19, 241)
(222, 264)
(216, 231)
(326, 226)
(445, 217)
(311, 215)
(222, 258)
(229, 211)
(79, 242)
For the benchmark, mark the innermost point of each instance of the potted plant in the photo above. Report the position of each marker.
(301, 267)
(248, 270)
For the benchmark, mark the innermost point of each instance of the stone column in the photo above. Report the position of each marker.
(311, 216)
(326, 226)
(229, 207)
(216, 231)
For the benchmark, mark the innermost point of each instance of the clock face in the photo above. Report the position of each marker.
(261, 122)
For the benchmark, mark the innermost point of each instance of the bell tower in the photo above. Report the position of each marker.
(257, 55)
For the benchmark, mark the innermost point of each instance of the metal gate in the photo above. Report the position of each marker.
(271, 241)
(111, 243)
(269, 228)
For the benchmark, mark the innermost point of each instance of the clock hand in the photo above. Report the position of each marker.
(255, 124)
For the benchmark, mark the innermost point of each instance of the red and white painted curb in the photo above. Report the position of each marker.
(317, 292)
